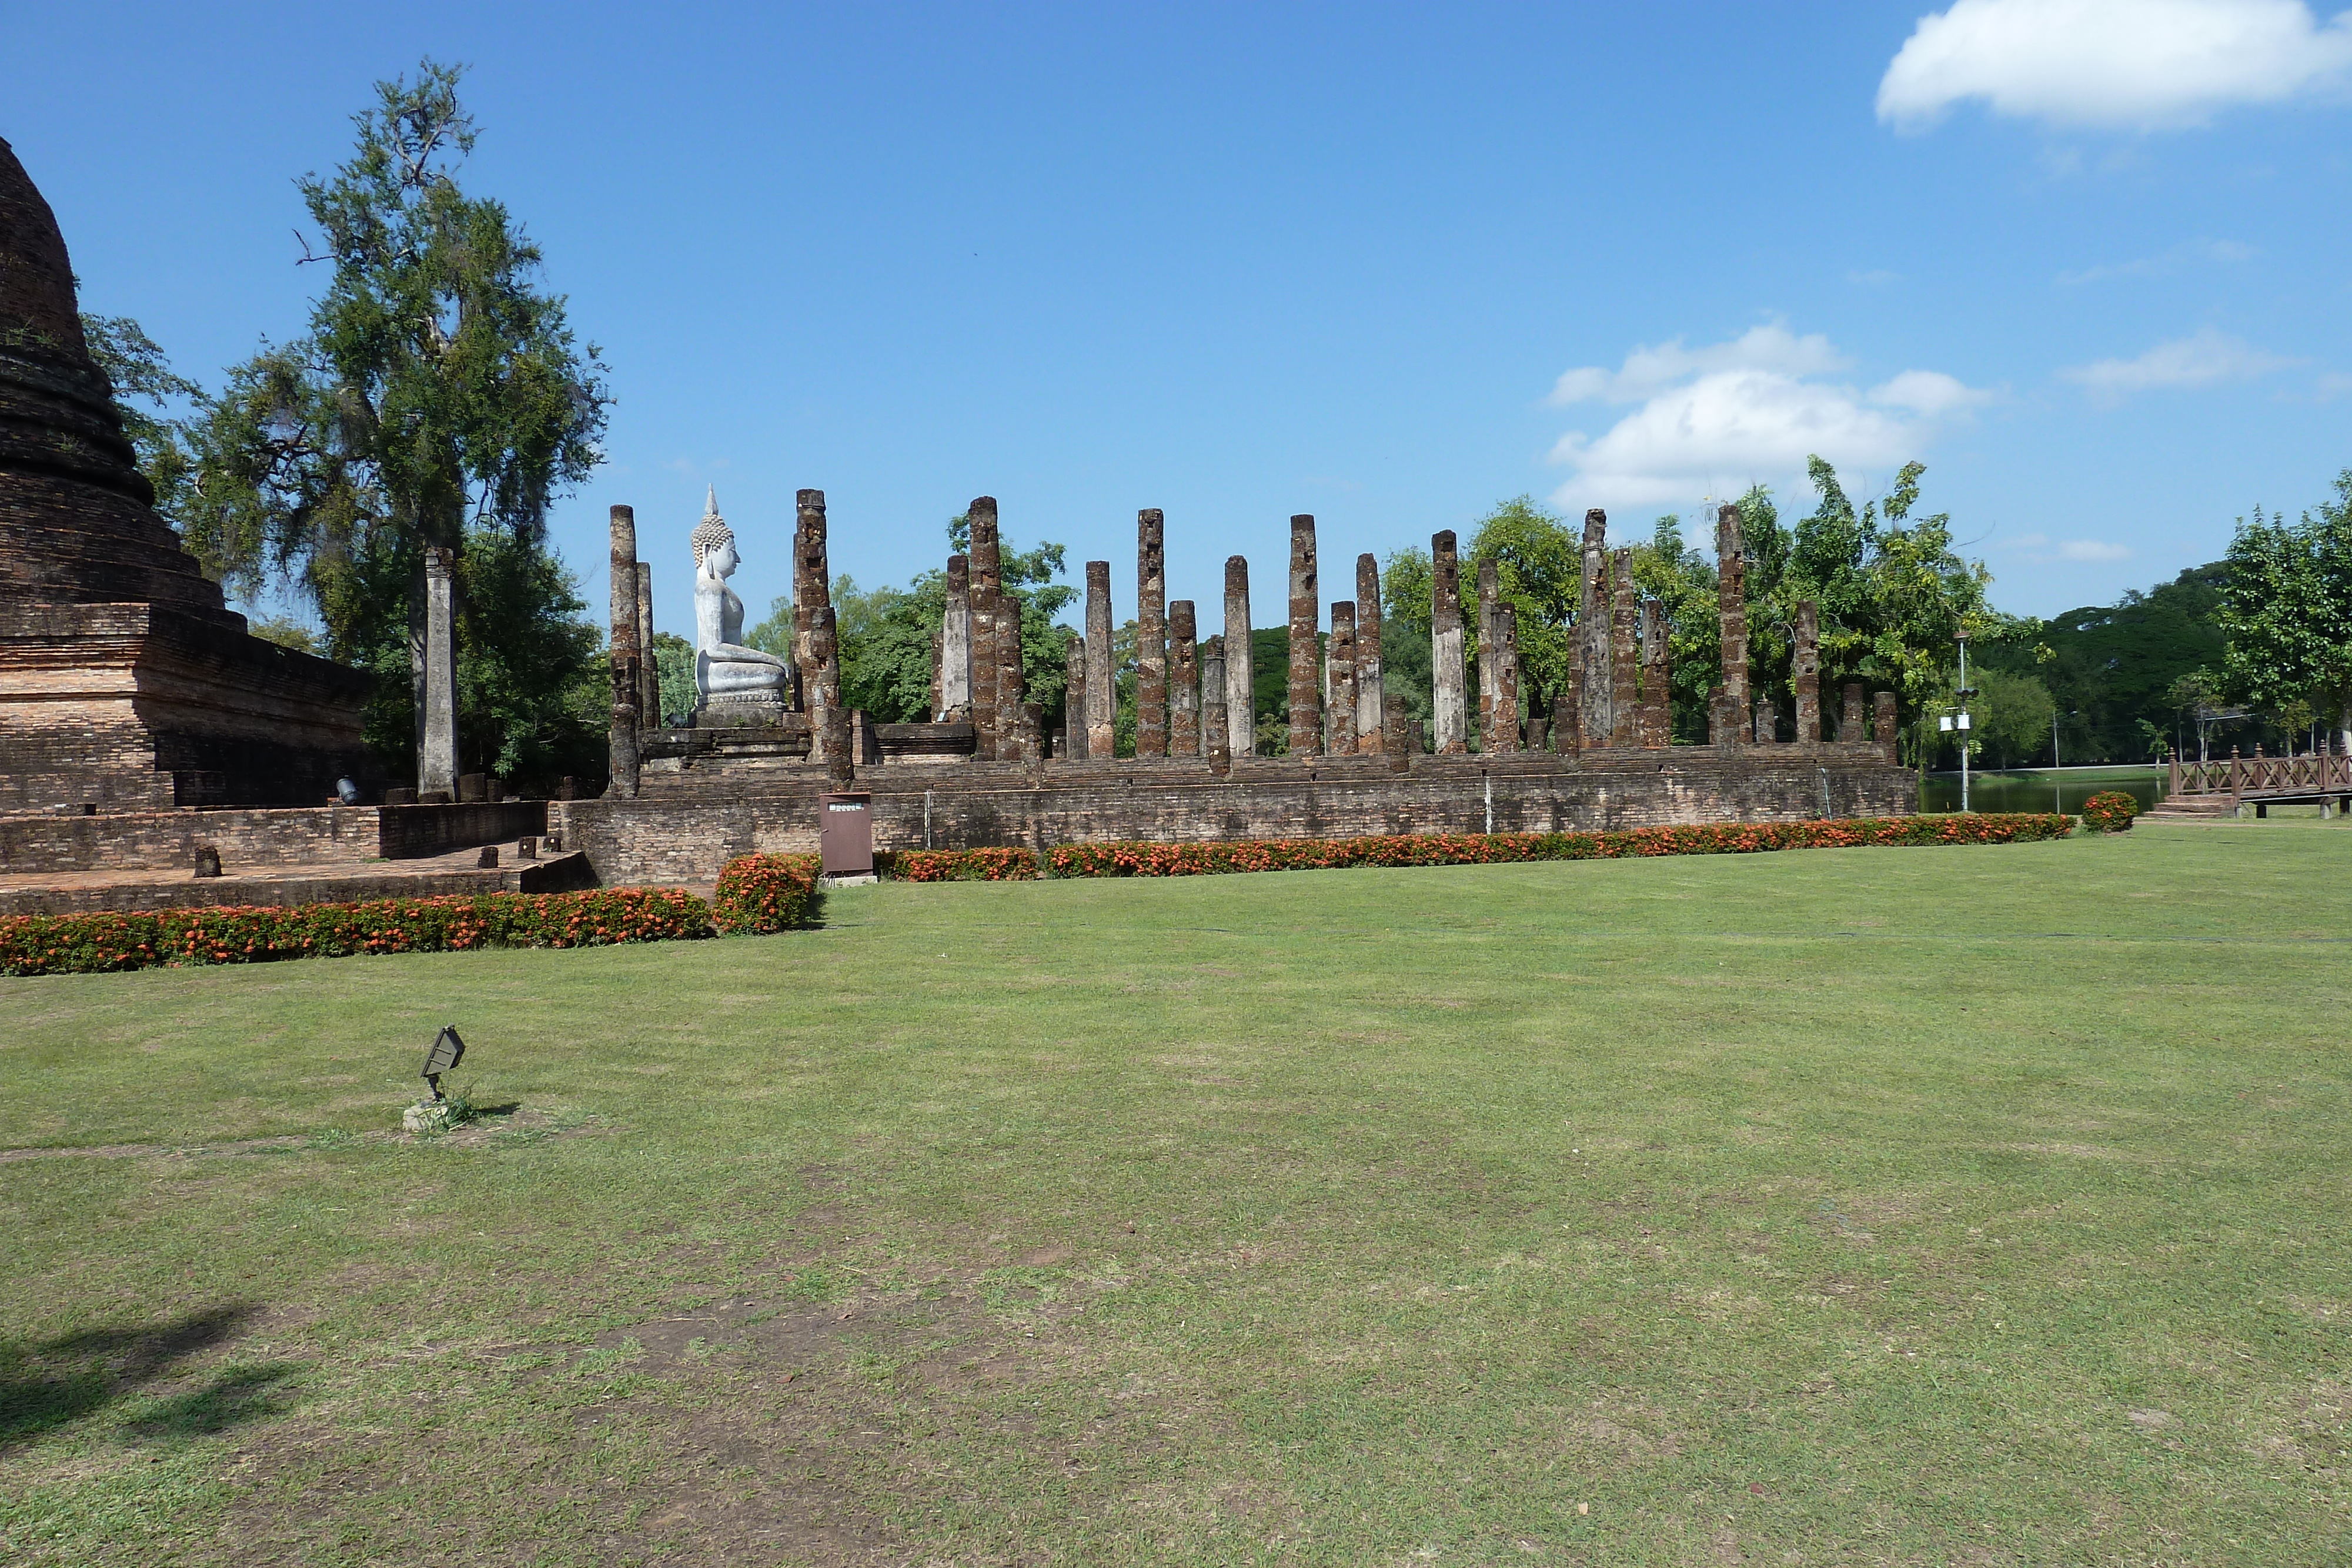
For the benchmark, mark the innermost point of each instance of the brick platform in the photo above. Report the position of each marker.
(430, 876)
(694, 824)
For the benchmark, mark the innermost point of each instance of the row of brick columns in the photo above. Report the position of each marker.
(1195, 702)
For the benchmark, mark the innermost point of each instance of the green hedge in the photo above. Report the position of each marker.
(761, 894)
(957, 865)
(84, 944)
(2110, 811)
(1484, 849)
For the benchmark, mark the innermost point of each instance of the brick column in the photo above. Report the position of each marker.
(1213, 697)
(1489, 587)
(436, 767)
(1241, 680)
(955, 643)
(1371, 708)
(1306, 622)
(1396, 734)
(1102, 687)
(987, 582)
(1657, 676)
(1767, 722)
(1808, 667)
(1339, 701)
(1449, 699)
(825, 675)
(1884, 722)
(1074, 698)
(1624, 714)
(1503, 731)
(1849, 713)
(1150, 634)
(812, 592)
(1597, 712)
(1731, 605)
(649, 706)
(1183, 681)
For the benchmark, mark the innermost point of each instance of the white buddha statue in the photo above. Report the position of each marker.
(725, 673)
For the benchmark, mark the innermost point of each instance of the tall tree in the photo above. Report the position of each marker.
(438, 399)
(1540, 573)
(2287, 612)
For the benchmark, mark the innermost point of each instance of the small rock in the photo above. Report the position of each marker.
(431, 1116)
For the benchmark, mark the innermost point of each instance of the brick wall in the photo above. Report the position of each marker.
(263, 836)
(688, 838)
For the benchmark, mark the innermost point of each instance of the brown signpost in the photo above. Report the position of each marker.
(845, 832)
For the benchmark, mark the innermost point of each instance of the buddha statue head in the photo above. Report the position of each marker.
(714, 542)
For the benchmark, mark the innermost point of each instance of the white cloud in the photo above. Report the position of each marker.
(1929, 393)
(2197, 361)
(2170, 262)
(1651, 369)
(2130, 63)
(2333, 385)
(2039, 550)
(1716, 419)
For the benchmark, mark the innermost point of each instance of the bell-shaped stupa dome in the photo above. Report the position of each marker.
(75, 524)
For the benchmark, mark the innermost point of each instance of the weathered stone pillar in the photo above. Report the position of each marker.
(1013, 742)
(1212, 695)
(1883, 724)
(1657, 677)
(1183, 681)
(1102, 677)
(1568, 704)
(813, 593)
(1219, 738)
(1396, 734)
(987, 583)
(1339, 701)
(437, 768)
(939, 674)
(649, 705)
(1849, 715)
(840, 753)
(825, 676)
(1623, 712)
(1768, 721)
(955, 643)
(1074, 698)
(1597, 714)
(1241, 679)
(1490, 586)
(1150, 634)
(1808, 666)
(1371, 708)
(1306, 624)
(1449, 699)
(1503, 726)
(1731, 605)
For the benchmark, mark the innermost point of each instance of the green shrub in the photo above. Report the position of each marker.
(2110, 811)
(959, 866)
(761, 894)
(233, 934)
(1486, 849)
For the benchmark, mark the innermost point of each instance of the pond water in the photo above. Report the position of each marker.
(2041, 789)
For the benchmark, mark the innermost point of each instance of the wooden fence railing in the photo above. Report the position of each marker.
(2248, 778)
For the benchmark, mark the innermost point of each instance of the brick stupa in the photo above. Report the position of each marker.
(125, 681)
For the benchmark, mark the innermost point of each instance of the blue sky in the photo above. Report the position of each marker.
(2087, 258)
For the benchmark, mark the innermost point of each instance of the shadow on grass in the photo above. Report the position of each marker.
(48, 1383)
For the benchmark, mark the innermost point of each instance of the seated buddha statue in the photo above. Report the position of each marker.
(725, 673)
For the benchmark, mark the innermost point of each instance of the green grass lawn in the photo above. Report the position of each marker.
(1950, 1205)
